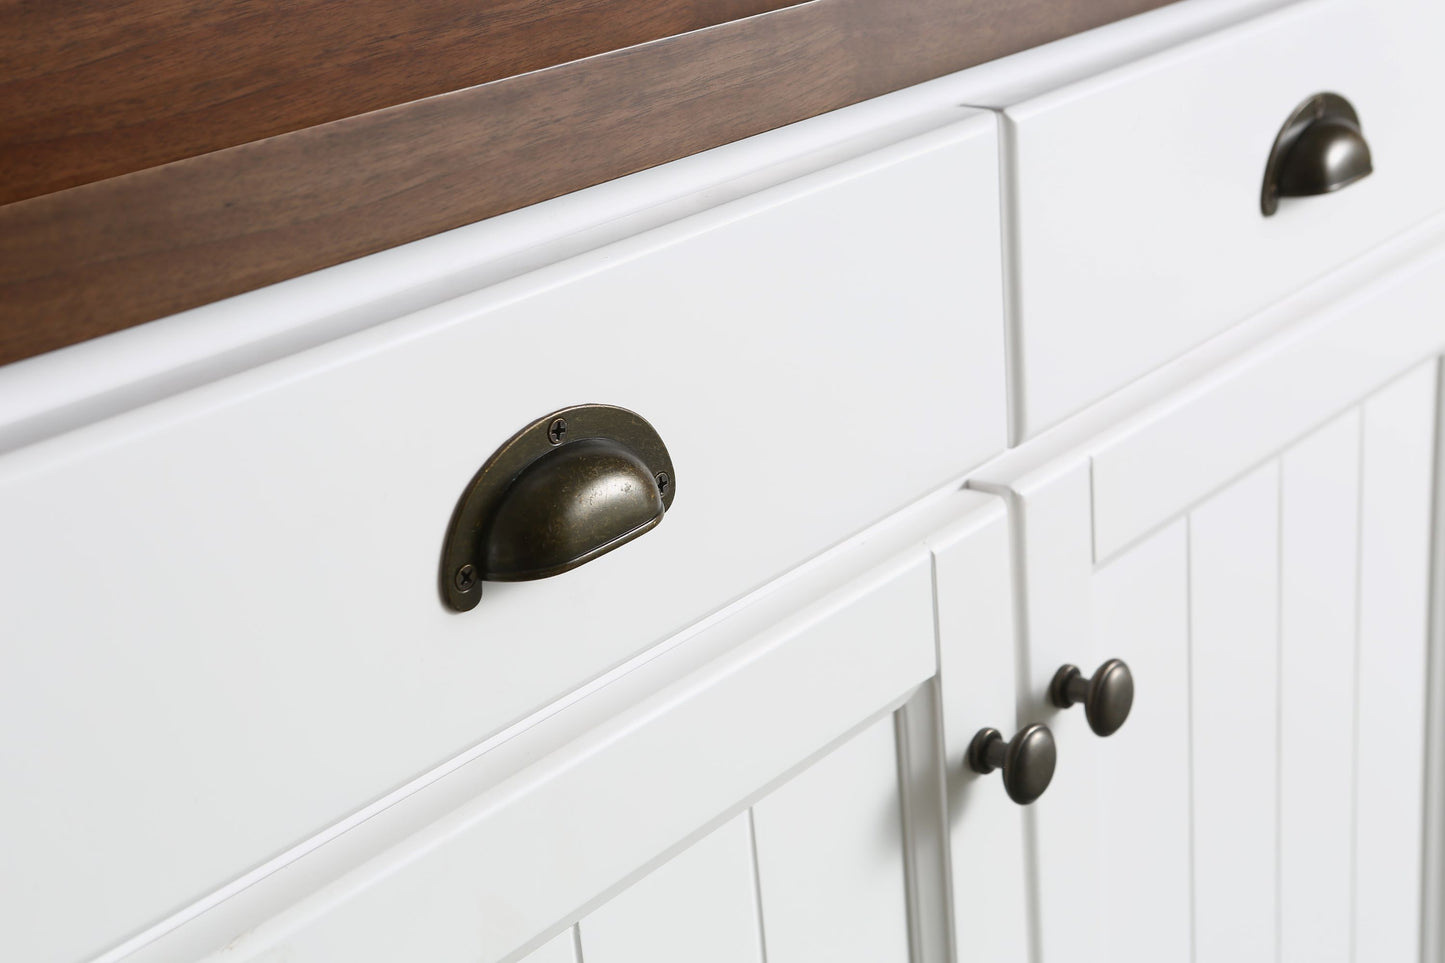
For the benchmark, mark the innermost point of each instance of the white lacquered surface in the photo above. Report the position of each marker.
(1319, 547)
(1395, 508)
(1139, 233)
(701, 905)
(528, 857)
(1264, 799)
(260, 649)
(1141, 615)
(1234, 684)
(977, 689)
(830, 857)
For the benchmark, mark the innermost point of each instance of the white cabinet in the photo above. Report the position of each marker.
(1264, 800)
(238, 724)
(256, 649)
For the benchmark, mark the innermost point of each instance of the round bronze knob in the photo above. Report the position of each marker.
(1107, 697)
(1320, 149)
(1027, 760)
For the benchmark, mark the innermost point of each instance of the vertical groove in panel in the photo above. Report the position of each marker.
(1355, 693)
(1319, 545)
(1189, 695)
(1234, 683)
(1433, 890)
(1278, 708)
(1394, 616)
(757, 888)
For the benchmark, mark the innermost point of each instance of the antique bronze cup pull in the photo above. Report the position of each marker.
(1320, 149)
(566, 489)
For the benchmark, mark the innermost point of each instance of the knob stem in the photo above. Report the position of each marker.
(1107, 697)
(987, 752)
(1075, 688)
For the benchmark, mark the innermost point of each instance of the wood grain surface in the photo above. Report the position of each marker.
(106, 255)
(89, 91)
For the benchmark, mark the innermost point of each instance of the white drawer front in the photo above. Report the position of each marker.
(1138, 228)
(222, 625)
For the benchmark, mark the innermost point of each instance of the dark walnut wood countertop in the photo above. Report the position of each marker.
(162, 154)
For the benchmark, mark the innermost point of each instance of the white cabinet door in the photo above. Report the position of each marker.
(1264, 799)
(845, 862)
(1111, 835)
(977, 689)
(781, 802)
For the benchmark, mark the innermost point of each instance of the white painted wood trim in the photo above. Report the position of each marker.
(978, 652)
(922, 770)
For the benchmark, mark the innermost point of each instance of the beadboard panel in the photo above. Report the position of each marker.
(1395, 525)
(1319, 550)
(1141, 614)
(1178, 452)
(1277, 634)
(1234, 691)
